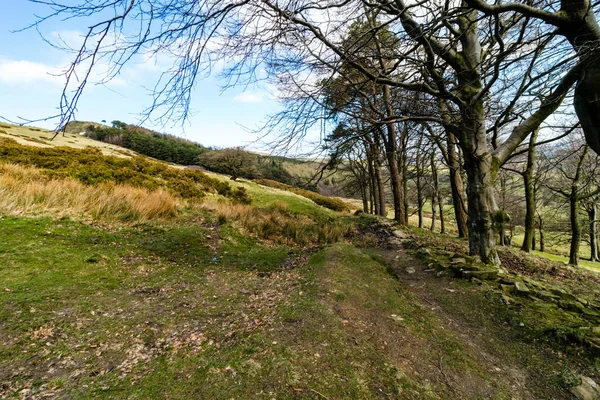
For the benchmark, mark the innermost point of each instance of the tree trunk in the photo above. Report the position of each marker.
(441, 206)
(541, 230)
(482, 206)
(365, 199)
(575, 228)
(574, 210)
(435, 190)
(457, 187)
(433, 213)
(380, 196)
(592, 214)
(528, 240)
(404, 141)
(418, 180)
(372, 183)
(480, 180)
(391, 151)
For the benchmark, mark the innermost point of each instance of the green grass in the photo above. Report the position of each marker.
(196, 309)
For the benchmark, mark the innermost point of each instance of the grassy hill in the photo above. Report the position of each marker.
(122, 277)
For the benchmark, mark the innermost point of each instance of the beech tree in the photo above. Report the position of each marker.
(575, 20)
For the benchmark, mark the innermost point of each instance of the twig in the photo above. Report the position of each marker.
(320, 394)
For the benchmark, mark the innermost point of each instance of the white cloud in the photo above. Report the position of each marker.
(19, 72)
(249, 97)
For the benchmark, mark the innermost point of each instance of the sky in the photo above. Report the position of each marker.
(30, 87)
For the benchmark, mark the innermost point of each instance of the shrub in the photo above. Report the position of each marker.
(91, 167)
(235, 162)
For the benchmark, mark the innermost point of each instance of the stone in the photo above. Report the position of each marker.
(396, 318)
(458, 260)
(521, 288)
(400, 234)
(507, 288)
(507, 281)
(483, 275)
(574, 306)
(564, 295)
(545, 295)
(423, 252)
(586, 390)
(410, 270)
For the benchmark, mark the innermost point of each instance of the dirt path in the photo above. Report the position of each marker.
(514, 369)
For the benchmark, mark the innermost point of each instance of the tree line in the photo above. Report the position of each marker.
(472, 80)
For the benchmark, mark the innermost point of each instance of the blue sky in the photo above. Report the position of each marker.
(29, 90)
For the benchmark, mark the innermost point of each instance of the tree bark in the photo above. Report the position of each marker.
(435, 190)
(575, 228)
(391, 151)
(529, 196)
(541, 230)
(592, 215)
(482, 206)
(481, 174)
(457, 187)
(419, 171)
(380, 196)
(441, 206)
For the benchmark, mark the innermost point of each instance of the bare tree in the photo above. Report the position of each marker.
(444, 53)
(576, 21)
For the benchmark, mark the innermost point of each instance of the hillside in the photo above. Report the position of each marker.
(122, 277)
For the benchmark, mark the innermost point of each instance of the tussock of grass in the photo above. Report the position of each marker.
(279, 225)
(90, 166)
(25, 190)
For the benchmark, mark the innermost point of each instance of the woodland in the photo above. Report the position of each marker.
(484, 93)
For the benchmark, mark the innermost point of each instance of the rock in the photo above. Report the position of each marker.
(396, 318)
(587, 390)
(423, 252)
(483, 275)
(574, 306)
(400, 234)
(521, 288)
(410, 270)
(507, 288)
(583, 301)
(545, 295)
(564, 295)
(507, 281)
(458, 260)
(507, 300)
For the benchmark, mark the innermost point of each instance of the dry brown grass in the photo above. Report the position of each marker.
(25, 190)
(277, 224)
